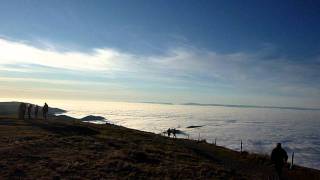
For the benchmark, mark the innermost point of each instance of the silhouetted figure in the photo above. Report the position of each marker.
(174, 131)
(36, 110)
(22, 110)
(279, 157)
(169, 132)
(45, 110)
(29, 111)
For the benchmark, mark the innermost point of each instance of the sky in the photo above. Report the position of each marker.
(226, 52)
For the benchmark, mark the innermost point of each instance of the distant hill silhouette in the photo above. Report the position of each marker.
(166, 103)
(92, 118)
(9, 108)
(251, 106)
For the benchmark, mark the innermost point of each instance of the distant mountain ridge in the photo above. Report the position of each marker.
(251, 106)
(236, 105)
(166, 103)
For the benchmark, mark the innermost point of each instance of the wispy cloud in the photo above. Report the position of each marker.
(20, 53)
(179, 68)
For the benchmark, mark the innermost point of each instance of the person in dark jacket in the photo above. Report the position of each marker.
(36, 110)
(279, 157)
(169, 132)
(29, 111)
(174, 131)
(22, 110)
(45, 110)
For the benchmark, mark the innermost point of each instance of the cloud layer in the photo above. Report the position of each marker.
(184, 68)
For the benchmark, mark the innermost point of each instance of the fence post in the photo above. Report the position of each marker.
(215, 141)
(241, 146)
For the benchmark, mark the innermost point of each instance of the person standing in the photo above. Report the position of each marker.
(29, 111)
(174, 131)
(36, 109)
(45, 110)
(279, 157)
(22, 110)
(169, 132)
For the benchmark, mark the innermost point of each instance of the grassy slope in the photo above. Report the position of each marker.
(72, 149)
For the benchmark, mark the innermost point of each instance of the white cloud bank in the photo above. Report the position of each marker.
(20, 53)
(255, 72)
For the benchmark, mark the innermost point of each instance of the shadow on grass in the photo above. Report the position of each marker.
(64, 128)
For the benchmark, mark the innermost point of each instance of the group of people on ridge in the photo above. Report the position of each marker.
(27, 109)
(173, 131)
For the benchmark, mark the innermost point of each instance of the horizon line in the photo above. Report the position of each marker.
(236, 105)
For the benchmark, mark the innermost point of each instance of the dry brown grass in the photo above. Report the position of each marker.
(60, 149)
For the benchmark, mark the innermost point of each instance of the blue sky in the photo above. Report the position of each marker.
(248, 52)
